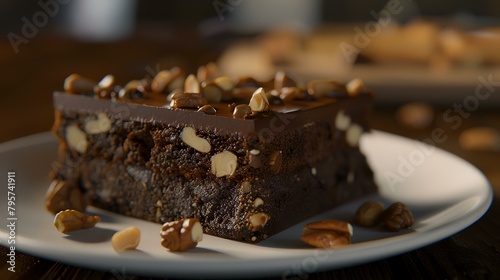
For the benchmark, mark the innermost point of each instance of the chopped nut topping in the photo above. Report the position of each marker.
(168, 80)
(329, 88)
(290, 93)
(259, 101)
(355, 87)
(182, 100)
(242, 111)
(131, 90)
(191, 85)
(283, 80)
(208, 109)
(225, 83)
(105, 86)
(77, 84)
(212, 92)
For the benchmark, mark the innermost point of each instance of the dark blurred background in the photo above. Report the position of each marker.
(430, 59)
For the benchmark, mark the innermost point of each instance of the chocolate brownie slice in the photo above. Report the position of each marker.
(245, 171)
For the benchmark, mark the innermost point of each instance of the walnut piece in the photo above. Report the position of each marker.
(327, 234)
(63, 195)
(397, 217)
(71, 220)
(181, 235)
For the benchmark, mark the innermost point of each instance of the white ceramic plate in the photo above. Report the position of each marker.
(446, 194)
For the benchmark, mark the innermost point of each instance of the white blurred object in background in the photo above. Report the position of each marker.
(101, 20)
(261, 15)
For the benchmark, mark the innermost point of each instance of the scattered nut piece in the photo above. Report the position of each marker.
(181, 235)
(480, 139)
(224, 163)
(258, 220)
(259, 101)
(126, 239)
(415, 114)
(207, 109)
(355, 87)
(77, 84)
(63, 195)
(191, 85)
(188, 136)
(76, 139)
(397, 217)
(242, 111)
(369, 214)
(101, 125)
(327, 234)
(353, 134)
(275, 161)
(71, 220)
(342, 121)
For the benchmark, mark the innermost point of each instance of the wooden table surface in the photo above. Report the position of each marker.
(29, 77)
